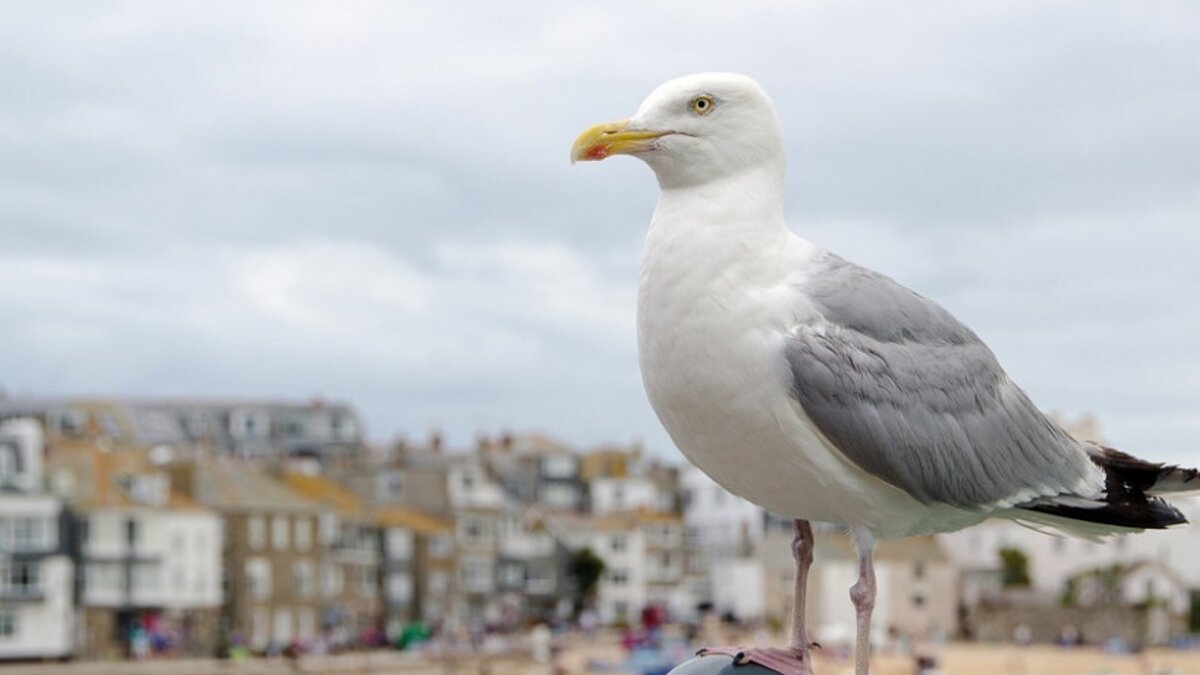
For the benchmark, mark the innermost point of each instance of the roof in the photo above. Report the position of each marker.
(229, 486)
(417, 521)
(325, 491)
(98, 479)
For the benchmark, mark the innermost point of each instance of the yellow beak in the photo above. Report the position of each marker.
(612, 138)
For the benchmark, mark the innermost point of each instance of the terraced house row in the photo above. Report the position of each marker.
(138, 527)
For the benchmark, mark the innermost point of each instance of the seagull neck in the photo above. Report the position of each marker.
(748, 203)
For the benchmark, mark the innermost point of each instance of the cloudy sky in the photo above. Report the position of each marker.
(371, 201)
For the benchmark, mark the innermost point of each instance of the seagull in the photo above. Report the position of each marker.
(824, 391)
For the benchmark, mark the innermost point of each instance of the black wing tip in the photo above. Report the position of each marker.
(1129, 499)
(1127, 473)
(1149, 513)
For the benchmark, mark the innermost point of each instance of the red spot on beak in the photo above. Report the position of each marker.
(597, 152)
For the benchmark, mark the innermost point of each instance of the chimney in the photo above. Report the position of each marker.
(435, 441)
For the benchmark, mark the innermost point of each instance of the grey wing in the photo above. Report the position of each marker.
(911, 395)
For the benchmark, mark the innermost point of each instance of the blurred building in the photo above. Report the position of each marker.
(272, 554)
(246, 429)
(350, 537)
(917, 595)
(149, 562)
(724, 536)
(534, 469)
(37, 609)
(419, 566)
(643, 560)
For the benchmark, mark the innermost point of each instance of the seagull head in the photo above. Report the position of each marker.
(693, 130)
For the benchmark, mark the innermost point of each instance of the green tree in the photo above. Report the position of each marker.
(586, 568)
(1014, 568)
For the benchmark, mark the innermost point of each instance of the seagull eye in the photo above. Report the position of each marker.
(702, 105)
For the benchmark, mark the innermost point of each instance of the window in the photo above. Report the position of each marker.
(559, 466)
(368, 582)
(333, 580)
(283, 626)
(539, 578)
(512, 575)
(20, 579)
(9, 462)
(399, 587)
(8, 624)
(559, 495)
(256, 533)
(399, 543)
(250, 424)
(439, 583)
(618, 576)
(919, 569)
(147, 577)
(103, 577)
(618, 543)
(477, 575)
(441, 546)
(391, 487)
(620, 609)
(345, 428)
(279, 533)
(28, 534)
(304, 577)
(303, 534)
(475, 530)
(918, 600)
(258, 578)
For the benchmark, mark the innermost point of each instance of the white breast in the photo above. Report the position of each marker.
(713, 314)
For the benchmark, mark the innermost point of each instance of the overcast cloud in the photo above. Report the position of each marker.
(371, 201)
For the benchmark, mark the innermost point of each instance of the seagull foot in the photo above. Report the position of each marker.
(789, 661)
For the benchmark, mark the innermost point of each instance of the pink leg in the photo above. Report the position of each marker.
(795, 659)
(862, 594)
(802, 551)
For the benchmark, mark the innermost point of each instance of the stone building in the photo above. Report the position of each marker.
(272, 554)
(351, 560)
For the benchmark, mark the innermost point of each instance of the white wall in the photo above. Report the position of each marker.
(614, 495)
(180, 552)
(738, 587)
(43, 629)
(718, 519)
(27, 435)
(632, 562)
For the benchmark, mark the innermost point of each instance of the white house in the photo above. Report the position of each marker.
(150, 558)
(617, 495)
(724, 538)
(36, 607)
